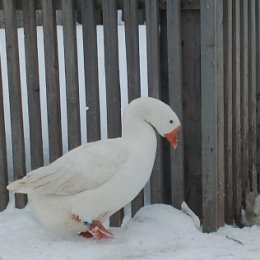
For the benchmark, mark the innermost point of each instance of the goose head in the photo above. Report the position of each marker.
(159, 115)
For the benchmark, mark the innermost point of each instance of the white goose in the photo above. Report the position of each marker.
(87, 185)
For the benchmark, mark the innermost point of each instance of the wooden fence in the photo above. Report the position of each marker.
(202, 59)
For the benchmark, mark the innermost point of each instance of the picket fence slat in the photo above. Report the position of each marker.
(252, 94)
(112, 80)
(71, 73)
(4, 194)
(175, 97)
(257, 13)
(244, 95)
(33, 85)
(227, 22)
(153, 68)
(236, 122)
(91, 69)
(52, 79)
(133, 68)
(15, 97)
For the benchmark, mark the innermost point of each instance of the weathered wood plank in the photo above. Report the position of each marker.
(91, 69)
(32, 76)
(252, 94)
(52, 79)
(4, 194)
(191, 81)
(212, 113)
(71, 73)
(227, 24)
(112, 79)
(133, 68)
(175, 96)
(236, 122)
(244, 97)
(15, 97)
(258, 89)
(153, 68)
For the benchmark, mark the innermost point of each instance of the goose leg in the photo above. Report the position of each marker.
(96, 230)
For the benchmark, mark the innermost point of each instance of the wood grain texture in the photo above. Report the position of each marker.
(33, 87)
(133, 68)
(153, 68)
(212, 114)
(227, 23)
(52, 79)
(15, 96)
(71, 73)
(91, 69)
(252, 94)
(112, 80)
(4, 194)
(191, 92)
(175, 96)
(244, 99)
(236, 104)
(258, 91)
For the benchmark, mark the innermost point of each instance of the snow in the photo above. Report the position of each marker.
(156, 232)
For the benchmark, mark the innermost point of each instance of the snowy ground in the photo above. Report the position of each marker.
(156, 232)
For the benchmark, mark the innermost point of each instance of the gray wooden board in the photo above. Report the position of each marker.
(112, 79)
(191, 92)
(33, 87)
(252, 93)
(175, 96)
(52, 79)
(91, 69)
(14, 85)
(4, 194)
(236, 122)
(258, 89)
(220, 112)
(211, 93)
(244, 96)
(153, 67)
(71, 73)
(227, 24)
(133, 68)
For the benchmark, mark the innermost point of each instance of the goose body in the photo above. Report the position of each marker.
(96, 179)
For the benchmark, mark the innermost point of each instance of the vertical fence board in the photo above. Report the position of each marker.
(91, 69)
(15, 96)
(153, 68)
(258, 89)
(112, 79)
(71, 73)
(191, 81)
(4, 195)
(244, 96)
(175, 96)
(52, 79)
(133, 68)
(32, 76)
(252, 94)
(227, 23)
(236, 122)
(212, 113)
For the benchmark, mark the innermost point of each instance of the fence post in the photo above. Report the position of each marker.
(212, 114)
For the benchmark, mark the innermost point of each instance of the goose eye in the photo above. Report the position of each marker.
(171, 121)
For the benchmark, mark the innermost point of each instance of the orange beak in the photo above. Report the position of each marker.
(172, 137)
